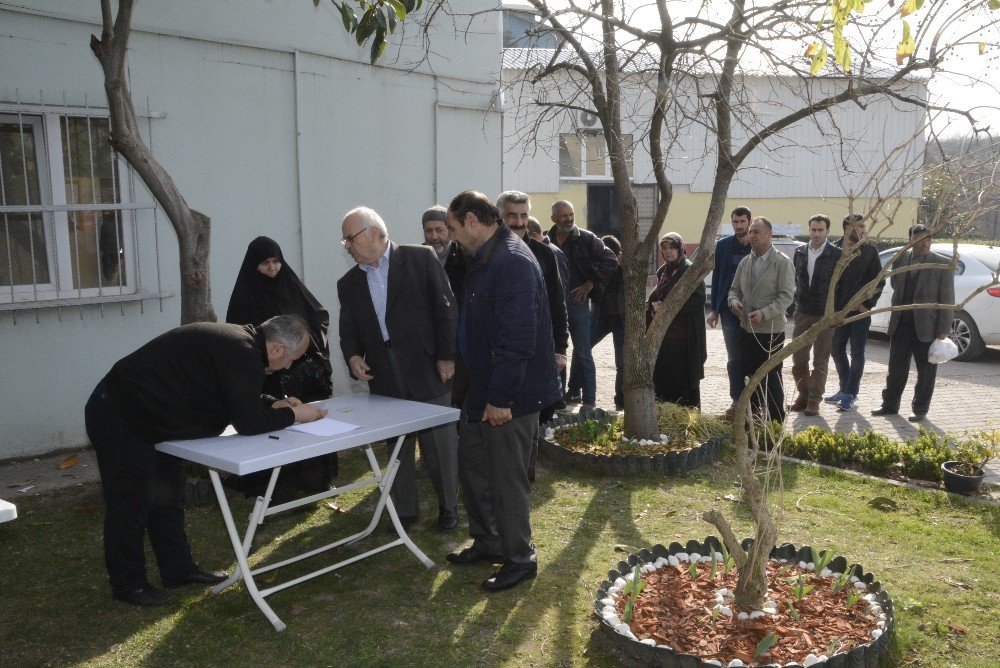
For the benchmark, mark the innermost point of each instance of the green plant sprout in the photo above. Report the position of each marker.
(632, 592)
(765, 644)
(792, 611)
(727, 560)
(693, 570)
(853, 598)
(821, 559)
(799, 588)
(842, 581)
(714, 565)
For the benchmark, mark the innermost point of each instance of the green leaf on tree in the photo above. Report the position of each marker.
(818, 61)
(400, 10)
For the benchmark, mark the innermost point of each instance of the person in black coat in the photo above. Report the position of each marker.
(398, 324)
(265, 287)
(189, 382)
(680, 363)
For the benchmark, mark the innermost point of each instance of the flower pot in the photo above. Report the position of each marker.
(960, 483)
(648, 652)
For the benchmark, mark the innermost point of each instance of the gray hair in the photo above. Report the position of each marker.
(534, 227)
(512, 197)
(290, 331)
(370, 218)
(559, 203)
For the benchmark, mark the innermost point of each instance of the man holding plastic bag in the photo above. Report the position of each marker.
(911, 332)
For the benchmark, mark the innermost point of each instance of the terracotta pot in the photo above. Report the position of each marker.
(960, 483)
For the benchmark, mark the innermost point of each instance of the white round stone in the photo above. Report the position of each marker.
(619, 582)
(648, 641)
(607, 601)
(876, 634)
(744, 616)
(673, 561)
(803, 565)
(609, 610)
(623, 629)
(811, 660)
(736, 663)
(757, 614)
(860, 585)
(694, 557)
(614, 591)
(682, 556)
(826, 572)
(724, 610)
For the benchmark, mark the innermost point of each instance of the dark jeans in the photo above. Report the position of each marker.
(732, 335)
(850, 372)
(600, 328)
(582, 372)
(904, 345)
(143, 491)
(757, 349)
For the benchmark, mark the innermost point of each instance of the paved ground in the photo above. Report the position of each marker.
(967, 397)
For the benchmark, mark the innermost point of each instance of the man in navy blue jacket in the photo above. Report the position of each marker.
(505, 339)
(728, 253)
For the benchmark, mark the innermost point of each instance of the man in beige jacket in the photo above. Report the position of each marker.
(762, 291)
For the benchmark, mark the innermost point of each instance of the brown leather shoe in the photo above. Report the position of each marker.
(799, 404)
(812, 409)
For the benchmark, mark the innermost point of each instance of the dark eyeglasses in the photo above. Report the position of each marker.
(350, 239)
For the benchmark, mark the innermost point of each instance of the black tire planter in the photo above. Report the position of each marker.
(959, 483)
(669, 463)
(640, 654)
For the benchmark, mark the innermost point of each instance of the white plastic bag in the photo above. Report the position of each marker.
(941, 351)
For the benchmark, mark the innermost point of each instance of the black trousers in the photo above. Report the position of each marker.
(143, 491)
(755, 349)
(904, 345)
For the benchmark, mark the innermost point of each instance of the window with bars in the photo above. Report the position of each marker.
(68, 225)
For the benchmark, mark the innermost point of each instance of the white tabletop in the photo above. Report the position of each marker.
(378, 417)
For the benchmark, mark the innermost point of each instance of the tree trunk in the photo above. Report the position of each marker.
(192, 228)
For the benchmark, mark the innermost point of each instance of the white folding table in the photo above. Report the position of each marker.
(378, 418)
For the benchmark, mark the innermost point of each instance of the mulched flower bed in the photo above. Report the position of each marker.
(594, 441)
(680, 620)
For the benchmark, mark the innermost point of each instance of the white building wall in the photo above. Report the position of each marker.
(830, 155)
(275, 124)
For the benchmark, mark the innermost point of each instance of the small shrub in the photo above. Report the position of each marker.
(923, 455)
(875, 452)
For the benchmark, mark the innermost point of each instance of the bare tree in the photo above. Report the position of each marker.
(696, 68)
(192, 227)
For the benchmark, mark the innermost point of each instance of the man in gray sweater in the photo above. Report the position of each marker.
(762, 291)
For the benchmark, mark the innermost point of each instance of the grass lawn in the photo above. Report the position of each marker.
(940, 561)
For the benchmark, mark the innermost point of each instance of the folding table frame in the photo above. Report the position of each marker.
(241, 455)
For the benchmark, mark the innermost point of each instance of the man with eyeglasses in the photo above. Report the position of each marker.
(398, 323)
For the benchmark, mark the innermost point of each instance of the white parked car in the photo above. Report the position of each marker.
(978, 324)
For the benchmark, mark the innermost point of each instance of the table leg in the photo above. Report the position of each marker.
(256, 519)
(240, 551)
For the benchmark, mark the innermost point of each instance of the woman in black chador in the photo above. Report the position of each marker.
(266, 287)
(680, 364)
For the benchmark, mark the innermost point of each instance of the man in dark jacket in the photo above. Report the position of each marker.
(397, 333)
(190, 382)
(729, 251)
(505, 339)
(920, 276)
(814, 264)
(859, 272)
(591, 265)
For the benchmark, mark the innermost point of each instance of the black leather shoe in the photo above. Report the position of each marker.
(447, 520)
(473, 555)
(146, 596)
(198, 576)
(510, 575)
(917, 417)
(885, 411)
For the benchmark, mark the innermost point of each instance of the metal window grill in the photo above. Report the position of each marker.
(71, 231)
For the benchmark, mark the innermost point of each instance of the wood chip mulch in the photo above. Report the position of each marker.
(676, 611)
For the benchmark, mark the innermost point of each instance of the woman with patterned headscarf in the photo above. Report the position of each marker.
(680, 363)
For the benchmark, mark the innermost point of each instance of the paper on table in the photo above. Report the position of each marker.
(325, 427)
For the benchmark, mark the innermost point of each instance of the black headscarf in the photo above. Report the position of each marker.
(257, 297)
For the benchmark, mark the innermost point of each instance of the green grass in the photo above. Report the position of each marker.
(55, 608)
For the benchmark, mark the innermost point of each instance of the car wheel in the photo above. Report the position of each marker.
(965, 334)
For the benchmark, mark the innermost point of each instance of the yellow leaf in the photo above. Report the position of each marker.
(818, 61)
(69, 462)
(994, 4)
(812, 48)
(908, 8)
(982, 48)
(906, 46)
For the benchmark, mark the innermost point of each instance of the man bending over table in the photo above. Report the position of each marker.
(190, 382)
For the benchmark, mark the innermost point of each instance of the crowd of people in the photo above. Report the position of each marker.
(480, 317)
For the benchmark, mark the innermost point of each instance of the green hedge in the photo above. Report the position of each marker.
(918, 457)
